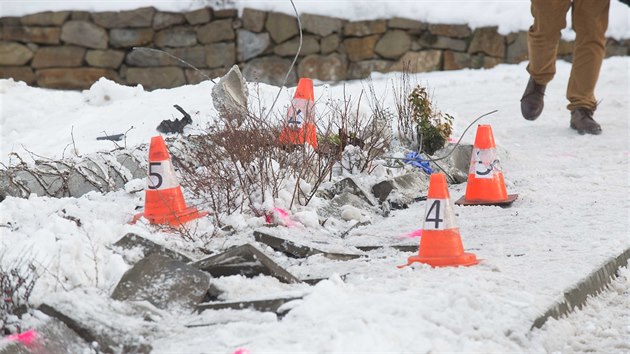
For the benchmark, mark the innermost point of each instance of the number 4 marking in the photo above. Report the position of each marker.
(435, 206)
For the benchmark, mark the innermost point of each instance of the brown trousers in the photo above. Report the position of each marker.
(590, 21)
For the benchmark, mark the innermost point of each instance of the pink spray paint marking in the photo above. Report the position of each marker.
(412, 234)
(281, 217)
(27, 338)
(241, 351)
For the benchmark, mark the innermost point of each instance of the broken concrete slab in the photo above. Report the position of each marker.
(147, 247)
(401, 248)
(297, 250)
(402, 190)
(457, 164)
(55, 337)
(272, 305)
(165, 282)
(102, 172)
(351, 186)
(229, 96)
(113, 326)
(245, 260)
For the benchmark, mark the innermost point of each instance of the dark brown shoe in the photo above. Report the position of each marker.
(582, 121)
(532, 102)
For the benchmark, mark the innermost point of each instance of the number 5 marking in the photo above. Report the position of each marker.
(157, 175)
(435, 206)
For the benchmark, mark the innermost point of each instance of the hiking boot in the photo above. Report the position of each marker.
(582, 121)
(532, 102)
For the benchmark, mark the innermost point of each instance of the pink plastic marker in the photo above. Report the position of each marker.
(27, 338)
(241, 351)
(280, 217)
(412, 234)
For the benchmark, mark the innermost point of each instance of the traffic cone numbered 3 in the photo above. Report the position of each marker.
(485, 175)
(164, 201)
(300, 127)
(440, 243)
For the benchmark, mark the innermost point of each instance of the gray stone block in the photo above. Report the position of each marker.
(332, 67)
(281, 26)
(364, 28)
(220, 55)
(58, 57)
(12, 53)
(393, 44)
(154, 78)
(250, 44)
(105, 58)
(488, 41)
(84, 34)
(216, 31)
(310, 45)
(163, 20)
(254, 20)
(46, 18)
(147, 247)
(130, 37)
(142, 17)
(197, 17)
(321, 25)
(39, 35)
(165, 282)
(417, 62)
(175, 37)
(270, 70)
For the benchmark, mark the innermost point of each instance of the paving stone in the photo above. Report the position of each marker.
(164, 282)
(281, 26)
(163, 20)
(130, 37)
(82, 312)
(253, 19)
(85, 34)
(364, 28)
(18, 73)
(46, 18)
(58, 57)
(12, 53)
(310, 45)
(250, 44)
(198, 17)
(154, 78)
(245, 260)
(296, 250)
(270, 70)
(273, 305)
(332, 67)
(321, 25)
(393, 44)
(142, 17)
(39, 35)
(132, 241)
(175, 37)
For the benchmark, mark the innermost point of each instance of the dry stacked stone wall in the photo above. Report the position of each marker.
(73, 49)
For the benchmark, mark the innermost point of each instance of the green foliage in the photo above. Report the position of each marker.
(433, 127)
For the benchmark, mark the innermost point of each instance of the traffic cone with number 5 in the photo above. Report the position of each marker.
(164, 202)
(441, 244)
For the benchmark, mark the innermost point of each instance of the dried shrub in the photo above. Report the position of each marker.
(16, 283)
(433, 127)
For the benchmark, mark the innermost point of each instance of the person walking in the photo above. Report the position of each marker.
(590, 21)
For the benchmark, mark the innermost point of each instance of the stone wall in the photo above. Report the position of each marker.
(72, 49)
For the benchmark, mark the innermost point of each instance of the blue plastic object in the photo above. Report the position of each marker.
(414, 159)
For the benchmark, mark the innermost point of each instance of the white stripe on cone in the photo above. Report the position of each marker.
(439, 215)
(161, 175)
(301, 110)
(484, 163)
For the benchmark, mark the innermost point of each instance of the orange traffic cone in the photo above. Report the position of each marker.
(300, 127)
(440, 243)
(164, 202)
(485, 176)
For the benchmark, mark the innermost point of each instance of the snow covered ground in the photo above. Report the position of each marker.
(571, 216)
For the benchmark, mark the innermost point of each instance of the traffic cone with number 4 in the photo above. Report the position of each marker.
(164, 202)
(441, 244)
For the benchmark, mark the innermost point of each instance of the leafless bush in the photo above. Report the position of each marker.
(16, 283)
(401, 88)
